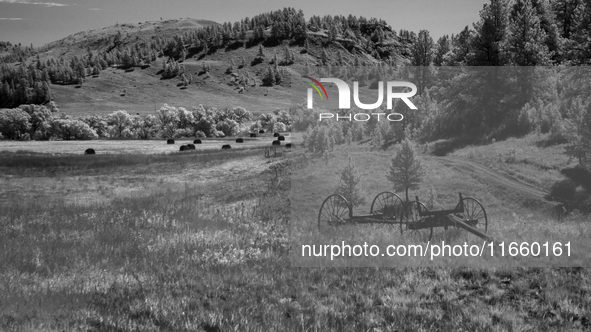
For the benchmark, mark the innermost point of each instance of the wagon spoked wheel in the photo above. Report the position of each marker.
(335, 211)
(410, 218)
(387, 206)
(474, 213)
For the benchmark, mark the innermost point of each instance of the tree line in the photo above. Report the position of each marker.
(41, 122)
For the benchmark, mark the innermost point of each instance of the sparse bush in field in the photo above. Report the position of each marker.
(348, 185)
(200, 134)
(377, 141)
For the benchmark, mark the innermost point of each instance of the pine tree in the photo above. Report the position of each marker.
(406, 171)
(325, 59)
(443, 46)
(489, 43)
(377, 140)
(269, 79)
(348, 185)
(527, 38)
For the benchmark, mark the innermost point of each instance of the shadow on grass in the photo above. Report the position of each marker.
(574, 191)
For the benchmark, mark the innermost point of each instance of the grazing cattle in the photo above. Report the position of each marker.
(253, 135)
(288, 145)
(276, 135)
(226, 146)
(276, 143)
(197, 141)
(89, 151)
(183, 148)
(170, 141)
(281, 138)
(261, 131)
(239, 140)
(190, 147)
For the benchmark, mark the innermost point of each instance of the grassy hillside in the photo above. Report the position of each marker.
(142, 89)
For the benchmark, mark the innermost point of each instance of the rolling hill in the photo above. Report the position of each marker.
(142, 88)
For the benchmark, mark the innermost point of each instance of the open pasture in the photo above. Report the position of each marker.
(170, 242)
(134, 146)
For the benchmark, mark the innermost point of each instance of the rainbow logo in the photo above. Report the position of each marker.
(314, 86)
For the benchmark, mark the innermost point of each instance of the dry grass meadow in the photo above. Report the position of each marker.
(200, 241)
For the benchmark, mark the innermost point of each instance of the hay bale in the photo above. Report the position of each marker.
(183, 148)
(288, 145)
(253, 135)
(226, 146)
(197, 141)
(170, 141)
(276, 142)
(281, 138)
(261, 131)
(190, 147)
(276, 135)
(89, 151)
(239, 140)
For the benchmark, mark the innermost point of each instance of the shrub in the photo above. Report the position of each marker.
(217, 133)
(564, 190)
(183, 132)
(200, 134)
(228, 127)
(68, 129)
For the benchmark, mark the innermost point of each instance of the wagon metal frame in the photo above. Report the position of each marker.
(413, 218)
